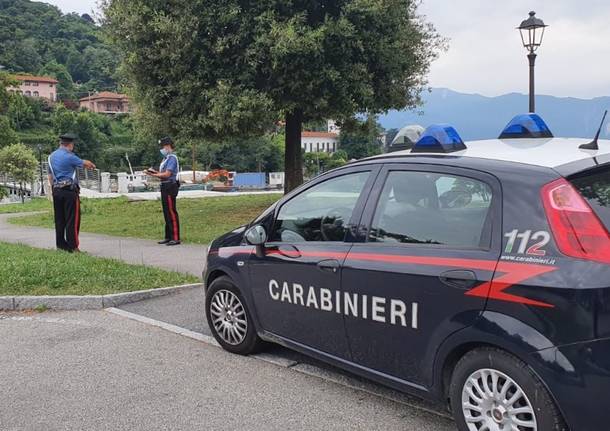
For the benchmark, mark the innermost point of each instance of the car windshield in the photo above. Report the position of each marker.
(594, 186)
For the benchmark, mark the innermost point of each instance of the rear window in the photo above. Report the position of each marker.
(594, 186)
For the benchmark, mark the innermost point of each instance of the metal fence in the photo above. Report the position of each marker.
(89, 179)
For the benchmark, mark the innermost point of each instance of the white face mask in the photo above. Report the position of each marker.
(164, 152)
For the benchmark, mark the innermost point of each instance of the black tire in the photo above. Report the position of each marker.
(544, 411)
(250, 342)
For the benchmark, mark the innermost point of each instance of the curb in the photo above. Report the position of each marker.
(87, 302)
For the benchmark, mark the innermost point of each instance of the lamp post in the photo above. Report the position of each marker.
(532, 31)
(41, 173)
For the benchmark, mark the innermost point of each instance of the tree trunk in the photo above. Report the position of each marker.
(292, 160)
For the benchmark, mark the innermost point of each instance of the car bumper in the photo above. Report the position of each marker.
(578, 376)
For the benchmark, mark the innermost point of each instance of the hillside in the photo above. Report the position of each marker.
(479, 117)
(38, 38)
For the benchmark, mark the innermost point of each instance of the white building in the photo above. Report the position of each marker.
(327, 142)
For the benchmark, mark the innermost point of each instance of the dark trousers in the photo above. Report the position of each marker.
(66, 205)
(169, 191)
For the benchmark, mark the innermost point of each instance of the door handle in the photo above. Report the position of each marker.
(459, 278)
(330, 265)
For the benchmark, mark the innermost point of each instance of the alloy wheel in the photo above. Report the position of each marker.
(492, 401)
(229, 317)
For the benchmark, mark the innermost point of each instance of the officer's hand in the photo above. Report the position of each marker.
(88, 165)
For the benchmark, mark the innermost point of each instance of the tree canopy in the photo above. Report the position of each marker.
(214, 69)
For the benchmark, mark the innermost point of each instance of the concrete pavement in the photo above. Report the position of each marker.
(183, 258)
(96, 371)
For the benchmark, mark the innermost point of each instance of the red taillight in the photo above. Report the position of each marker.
(577, 230)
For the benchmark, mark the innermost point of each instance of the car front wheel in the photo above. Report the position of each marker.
(229, 318)
(492, 390)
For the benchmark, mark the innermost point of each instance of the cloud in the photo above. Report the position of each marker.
(486, 55)
(78, 6)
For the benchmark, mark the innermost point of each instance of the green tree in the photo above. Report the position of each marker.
(7, 135)
(5, 82)
(20, 112)
(317, 162)
(232, 68)
(90, 139)
(360, 138)
(19, 162)
(65, 86)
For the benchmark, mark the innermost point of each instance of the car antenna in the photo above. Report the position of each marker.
(593, 144)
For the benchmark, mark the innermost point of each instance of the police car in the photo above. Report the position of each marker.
(474, 273)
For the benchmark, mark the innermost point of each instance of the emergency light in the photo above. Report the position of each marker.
(439, 138)
(526, 126)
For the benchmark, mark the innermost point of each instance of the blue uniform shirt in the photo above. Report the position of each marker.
(63, 164)
(170, 163)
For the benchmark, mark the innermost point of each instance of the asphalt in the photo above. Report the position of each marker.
(97, 371)
(184, 258)
(187, 310)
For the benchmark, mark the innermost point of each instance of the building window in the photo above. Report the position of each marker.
(108, 106)
(28, 93)
(51, 85)
(52, 96)
(27, 83)
(34, 84)
(36, 94)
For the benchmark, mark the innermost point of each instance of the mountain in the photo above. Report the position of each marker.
(480, 117)
(37, 38)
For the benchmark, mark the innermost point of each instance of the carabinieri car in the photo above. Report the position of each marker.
(477, 274)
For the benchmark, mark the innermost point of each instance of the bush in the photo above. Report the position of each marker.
(19, 162)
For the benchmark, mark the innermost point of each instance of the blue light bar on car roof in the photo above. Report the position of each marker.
(526, 126)
(439, 138)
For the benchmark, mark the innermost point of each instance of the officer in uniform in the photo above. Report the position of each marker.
(168, 174)
(66, 203)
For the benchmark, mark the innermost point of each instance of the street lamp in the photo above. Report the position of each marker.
(532, 31)
(41, 173)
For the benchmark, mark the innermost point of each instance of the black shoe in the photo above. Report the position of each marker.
(162, 242)
(172, 242)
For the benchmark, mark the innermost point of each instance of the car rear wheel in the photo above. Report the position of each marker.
(229, 318)
(492, 390)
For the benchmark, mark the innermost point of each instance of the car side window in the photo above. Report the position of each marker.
(432, 208)
(320, 213)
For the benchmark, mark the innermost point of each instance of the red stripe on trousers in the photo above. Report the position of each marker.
(172, 214)
(76, 222)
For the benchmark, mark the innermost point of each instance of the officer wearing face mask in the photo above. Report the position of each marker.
(168, 174)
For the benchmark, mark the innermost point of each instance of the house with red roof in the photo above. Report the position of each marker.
(106, 102)
(319, 142)
(43, 87)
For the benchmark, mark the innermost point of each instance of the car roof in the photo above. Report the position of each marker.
(544, 152)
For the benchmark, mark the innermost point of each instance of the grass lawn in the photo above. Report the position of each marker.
(37, 204)
(30, 271)
(201, 220)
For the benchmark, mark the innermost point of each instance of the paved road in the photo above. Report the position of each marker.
(185, 258)
(187, 310)
(98, 371)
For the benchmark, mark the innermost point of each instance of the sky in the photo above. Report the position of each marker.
(485, 54)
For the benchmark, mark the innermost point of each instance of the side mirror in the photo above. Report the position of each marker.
(256, 235)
